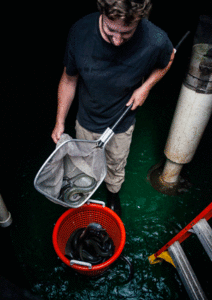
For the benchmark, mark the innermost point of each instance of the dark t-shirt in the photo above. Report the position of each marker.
(109, 74)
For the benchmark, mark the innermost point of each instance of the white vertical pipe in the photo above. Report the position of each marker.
(191, 117)
(5, 216)
(171, 172)
(192, 113)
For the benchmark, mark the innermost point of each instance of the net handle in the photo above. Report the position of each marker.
(109, 132)
(122, 116)
(182, 40)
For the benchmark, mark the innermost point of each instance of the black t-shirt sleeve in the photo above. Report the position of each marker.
(69, 57)
(166, 49)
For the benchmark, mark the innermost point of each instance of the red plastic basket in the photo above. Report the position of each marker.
(80, 217)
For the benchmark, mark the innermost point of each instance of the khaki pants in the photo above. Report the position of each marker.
(116, 150)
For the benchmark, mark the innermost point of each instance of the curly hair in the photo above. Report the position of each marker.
(126, 10)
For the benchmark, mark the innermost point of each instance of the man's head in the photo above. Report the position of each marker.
(115, 32)
(127, 11)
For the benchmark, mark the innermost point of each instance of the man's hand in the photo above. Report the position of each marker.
(58, 130)
(139, 96)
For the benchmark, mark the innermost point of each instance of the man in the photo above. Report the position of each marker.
(107, 56)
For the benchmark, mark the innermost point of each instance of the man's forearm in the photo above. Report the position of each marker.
(158, 74)
(139, 96)
(66, 94)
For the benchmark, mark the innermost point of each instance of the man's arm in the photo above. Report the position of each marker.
(66, 93)
(139, 96)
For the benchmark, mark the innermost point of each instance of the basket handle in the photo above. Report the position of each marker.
(96, 202)
(81, 263)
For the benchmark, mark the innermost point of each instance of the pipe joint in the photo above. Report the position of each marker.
(199, 75)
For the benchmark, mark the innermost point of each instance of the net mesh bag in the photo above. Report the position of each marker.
(71, 158)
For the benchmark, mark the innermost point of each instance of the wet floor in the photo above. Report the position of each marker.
(151, 219)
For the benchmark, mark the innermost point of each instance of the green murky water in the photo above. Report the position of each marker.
(151, 219)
